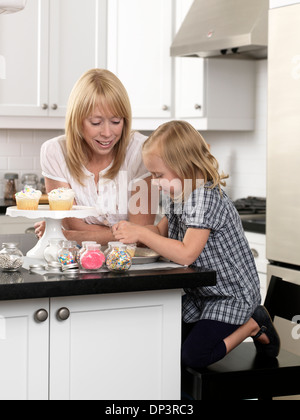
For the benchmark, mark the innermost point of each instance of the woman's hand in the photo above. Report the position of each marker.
(127, 232)
(40, 229)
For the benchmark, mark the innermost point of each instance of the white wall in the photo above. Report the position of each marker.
(242, 155)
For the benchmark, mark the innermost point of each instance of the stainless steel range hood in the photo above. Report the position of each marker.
(224, 27)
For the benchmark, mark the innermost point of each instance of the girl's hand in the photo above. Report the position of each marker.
(40, 229)
(126, 232)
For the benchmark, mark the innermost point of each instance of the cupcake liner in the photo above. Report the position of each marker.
(61, 205)
(27, 204)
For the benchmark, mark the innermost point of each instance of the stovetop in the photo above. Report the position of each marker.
(253, 214)
(251, 205)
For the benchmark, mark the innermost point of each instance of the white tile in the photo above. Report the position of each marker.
(20, 164)
(10, 149)
(20, 137)
(3, 136)
(29, 149)
(3, 164)
(41, 136)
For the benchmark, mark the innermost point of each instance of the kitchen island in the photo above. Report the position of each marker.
(93, 336)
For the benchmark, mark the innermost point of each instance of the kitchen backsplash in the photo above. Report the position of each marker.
(20, 152)
(241, 154)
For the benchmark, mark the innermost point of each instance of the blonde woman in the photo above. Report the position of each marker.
(99, 157)
(202, 228)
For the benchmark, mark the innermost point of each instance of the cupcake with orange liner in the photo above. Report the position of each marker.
(61, 199)
(28, 198)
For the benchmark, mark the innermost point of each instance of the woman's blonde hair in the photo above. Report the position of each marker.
(96, 88)
(185, 152)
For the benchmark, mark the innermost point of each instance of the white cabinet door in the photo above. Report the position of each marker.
(139, 39)
(116, 347)
(189, 96)
(77, 40)
(24, 60)
(257, 243)
(24, 345)
(44, 50)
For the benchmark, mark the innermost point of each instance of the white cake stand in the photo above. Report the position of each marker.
(53, 221)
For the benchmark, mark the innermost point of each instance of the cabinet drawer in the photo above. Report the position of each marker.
(259, 254)
(256, 238)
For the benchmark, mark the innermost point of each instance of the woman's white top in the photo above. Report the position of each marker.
(110, 197)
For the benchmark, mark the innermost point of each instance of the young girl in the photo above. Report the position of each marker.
(206, 232)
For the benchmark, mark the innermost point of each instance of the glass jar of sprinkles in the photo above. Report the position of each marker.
(118, 258)
(67, 254)
(110, 246)
(83, 249)
(93, 258)
(11, 258)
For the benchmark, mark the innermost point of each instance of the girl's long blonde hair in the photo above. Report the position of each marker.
(96, 88)
(185, 152)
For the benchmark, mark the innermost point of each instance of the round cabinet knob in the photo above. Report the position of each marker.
(44, 107)
(41, 315)
(54, 107)
(165, 108)
(63, 314)
(255, 253)
(198, 107)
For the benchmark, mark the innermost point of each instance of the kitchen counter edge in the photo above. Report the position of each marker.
(34, 286)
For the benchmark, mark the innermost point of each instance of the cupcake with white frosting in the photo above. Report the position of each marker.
(61, 199)
(28, 198)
